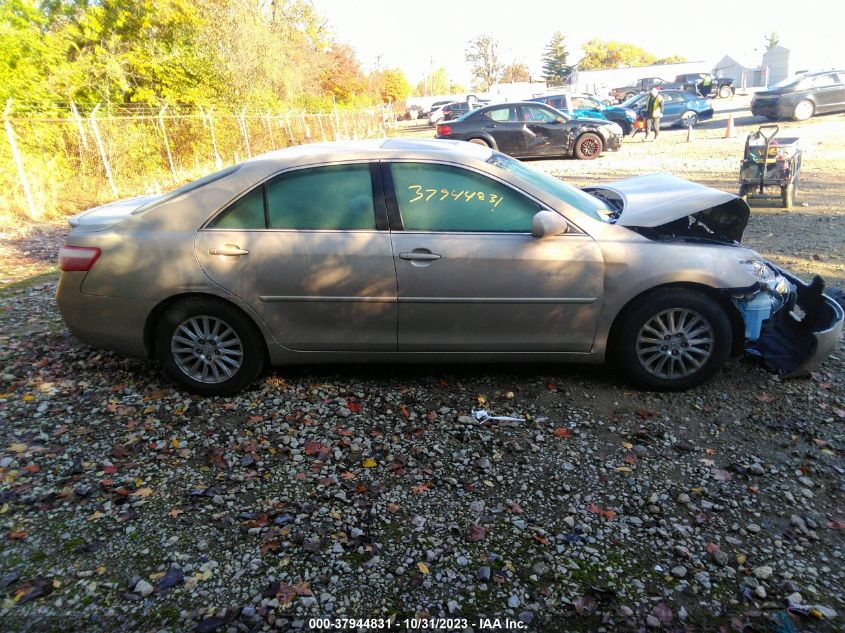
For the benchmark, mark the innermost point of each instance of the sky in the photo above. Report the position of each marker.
(419, 36)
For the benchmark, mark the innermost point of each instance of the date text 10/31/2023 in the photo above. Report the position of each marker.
(415, 624)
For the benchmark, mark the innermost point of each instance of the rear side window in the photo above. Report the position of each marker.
(247, 212)
(334, 197)
(445, 198)
(502, 114)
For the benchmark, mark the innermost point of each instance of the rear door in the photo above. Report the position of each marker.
(310, 253)
(504, 125)
(544, 133)
(674, 105)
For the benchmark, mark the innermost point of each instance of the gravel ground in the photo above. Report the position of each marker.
(373, 492)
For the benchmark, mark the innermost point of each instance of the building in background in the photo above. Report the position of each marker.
(744, 74)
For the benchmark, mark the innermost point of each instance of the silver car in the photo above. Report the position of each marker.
(435, 251)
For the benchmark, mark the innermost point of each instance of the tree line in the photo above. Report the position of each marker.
(488, 68)
(135, 53)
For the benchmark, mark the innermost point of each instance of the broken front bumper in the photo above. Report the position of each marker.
(800, 328)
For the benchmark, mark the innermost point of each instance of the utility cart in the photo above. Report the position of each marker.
(769, 162)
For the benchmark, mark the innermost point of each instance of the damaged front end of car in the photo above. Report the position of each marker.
(790, 325)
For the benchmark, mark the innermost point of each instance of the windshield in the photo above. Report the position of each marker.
(583, 202)
(186, 188)
(632, 102)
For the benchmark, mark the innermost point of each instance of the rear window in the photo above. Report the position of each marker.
(196, 184)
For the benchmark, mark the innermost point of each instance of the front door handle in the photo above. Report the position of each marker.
(425, 256)
(229, 250)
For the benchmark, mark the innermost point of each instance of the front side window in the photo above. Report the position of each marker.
(823, 81)
(334, 197)
(444, 198)
(535, 114)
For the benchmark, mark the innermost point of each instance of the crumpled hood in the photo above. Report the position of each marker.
(107, 215)
(672, 206)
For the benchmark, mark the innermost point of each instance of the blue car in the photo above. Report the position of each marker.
(586, 106)
(680, 108)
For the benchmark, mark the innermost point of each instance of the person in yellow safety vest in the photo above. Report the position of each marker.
(653, 112)
(706, 84)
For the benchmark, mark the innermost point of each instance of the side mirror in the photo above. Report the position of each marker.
(560, 119)
(546, 223)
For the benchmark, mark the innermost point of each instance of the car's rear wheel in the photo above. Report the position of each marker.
(479, 141)
(803, 110)
(588, 146)
(209, 347)
(673, 339)
(725, 91)
(689, 119)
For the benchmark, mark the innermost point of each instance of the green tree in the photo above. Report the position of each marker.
(437, 83)
(482, 55)
(599, 55)
(772, 40)
(555, 68)
(517, 71)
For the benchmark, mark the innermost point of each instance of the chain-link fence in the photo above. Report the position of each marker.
(51, 166)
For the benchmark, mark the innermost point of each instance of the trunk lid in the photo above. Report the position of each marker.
(107, 215)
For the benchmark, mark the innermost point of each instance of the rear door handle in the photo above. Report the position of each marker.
(228, 249)
(416, 255)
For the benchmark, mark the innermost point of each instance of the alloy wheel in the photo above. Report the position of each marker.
(675, 343)
(207, 349)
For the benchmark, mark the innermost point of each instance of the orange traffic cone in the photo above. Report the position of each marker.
(729, 128)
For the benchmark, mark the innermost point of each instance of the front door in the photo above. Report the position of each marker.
(829, 92)
(304, 251)
(544, 132)
(471, 278)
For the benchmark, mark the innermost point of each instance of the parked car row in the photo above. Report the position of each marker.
(702, 84)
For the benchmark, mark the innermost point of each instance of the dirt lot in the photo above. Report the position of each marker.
(371, 492)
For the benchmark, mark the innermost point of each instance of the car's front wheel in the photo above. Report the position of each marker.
(689, 119)
(673, 339)
(588, 146)
(209, 347)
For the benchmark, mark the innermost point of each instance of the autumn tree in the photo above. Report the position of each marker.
(672, 59)
(555, 67)
(391, 84)
(516, 71)
(599, 55)
(483, 57)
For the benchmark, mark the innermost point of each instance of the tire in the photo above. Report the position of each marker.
(725, 91)
(628, 95)
(803, 110)
(479, 141)
(682, 364)
(787, 196)
(588, 146)
(207, 326)
(688, 119)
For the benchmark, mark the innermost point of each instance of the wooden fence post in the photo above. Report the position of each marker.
(102, 149)
(18, 162)
(166, 143)
(270, 129)
(322, 131)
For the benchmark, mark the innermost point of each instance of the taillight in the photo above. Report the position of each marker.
(78, 258)
(444, 130)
